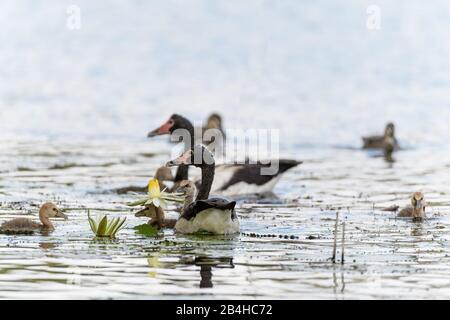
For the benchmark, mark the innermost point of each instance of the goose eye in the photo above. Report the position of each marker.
(54, 209)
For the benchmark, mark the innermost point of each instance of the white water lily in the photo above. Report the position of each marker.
(154, 194)
(156, 197)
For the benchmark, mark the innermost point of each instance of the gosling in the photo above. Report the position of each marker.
(28, 226)
(387, 142)
(188, 189)
(162, 174)
(417, 208)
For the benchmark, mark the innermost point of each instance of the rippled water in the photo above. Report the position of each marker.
(76, 106)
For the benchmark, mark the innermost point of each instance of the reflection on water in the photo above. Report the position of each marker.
(339, 285)
(47, 245)
(206, 266)
(206, 275)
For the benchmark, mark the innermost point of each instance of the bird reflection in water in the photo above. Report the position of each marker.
(47, 245)
(206, 276)
(207, 264)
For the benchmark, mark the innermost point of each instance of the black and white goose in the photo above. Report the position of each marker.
(230, 179)
(214, 215)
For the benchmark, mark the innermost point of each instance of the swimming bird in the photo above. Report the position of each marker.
(417, 208)
(28, 226)
(162, 174)
(156, 215)
(387, 141)
(214, 122)
(214, 215)
(188, 190)
(230, 179)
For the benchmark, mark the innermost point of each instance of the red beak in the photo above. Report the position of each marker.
(164, 129)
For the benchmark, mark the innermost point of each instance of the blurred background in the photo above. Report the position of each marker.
(311, 68)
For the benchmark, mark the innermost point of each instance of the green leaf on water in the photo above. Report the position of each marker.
(92, 222)
(101, 227)
(140, 202)
(101, 230)
(111, 226)
(146, 230)
(119, 227)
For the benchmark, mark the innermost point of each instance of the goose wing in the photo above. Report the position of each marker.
(251, 173)
(200, 205)
(19, 226)
(373, 142)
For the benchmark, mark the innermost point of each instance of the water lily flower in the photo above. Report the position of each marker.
(157, 198)
(155, 195)
(101, 227)
(153, 189)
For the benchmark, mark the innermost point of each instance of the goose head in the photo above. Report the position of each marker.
(184, 159)
(188, 189)
(418, 204)
(164, 174)
(214, 121)
(389, 131)
(199, 156)
(173, 123)
(50, 210)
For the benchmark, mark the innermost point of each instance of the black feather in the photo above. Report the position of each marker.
(201, 205)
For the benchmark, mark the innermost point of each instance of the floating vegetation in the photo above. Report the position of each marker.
(71, 165)
(146, 230)
(147, 154)
(101, 227)
(24, 169)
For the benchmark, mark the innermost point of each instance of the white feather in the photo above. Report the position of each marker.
(210, 220)
(247, 188)
(224, 173)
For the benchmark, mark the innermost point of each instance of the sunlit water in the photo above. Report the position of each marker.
(76, 107)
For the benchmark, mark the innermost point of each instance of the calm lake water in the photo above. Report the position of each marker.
(76, 106)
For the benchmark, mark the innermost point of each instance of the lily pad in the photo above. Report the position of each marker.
(146, 230)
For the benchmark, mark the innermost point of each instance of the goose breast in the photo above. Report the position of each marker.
(214, 215)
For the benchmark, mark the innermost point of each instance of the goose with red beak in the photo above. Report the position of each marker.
(176, 122)
(230, 179)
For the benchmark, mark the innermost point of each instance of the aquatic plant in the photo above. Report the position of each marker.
(101, 227)
(146, 230)
(156, 198)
